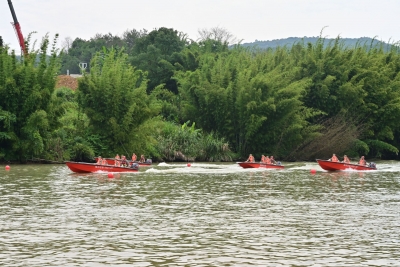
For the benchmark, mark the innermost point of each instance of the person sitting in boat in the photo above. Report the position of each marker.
(104, 162)
(99, 160)
(134, 157)
(334, 158)
(250, 158)
(124, 162)
(362, 161)
(272, 160)
(117, 163)
(142, 159)
(117, 160)
(346, 159)
(262, 159)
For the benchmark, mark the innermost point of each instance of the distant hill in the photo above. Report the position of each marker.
(347, 42)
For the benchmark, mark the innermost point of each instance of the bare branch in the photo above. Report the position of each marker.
(219, 34)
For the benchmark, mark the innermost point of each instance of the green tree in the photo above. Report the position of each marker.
(252, 99)
(360, 82)
(157, 53)
(114, 98)
(26, 87)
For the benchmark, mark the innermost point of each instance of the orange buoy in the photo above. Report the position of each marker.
(110, 175)
(7, 168)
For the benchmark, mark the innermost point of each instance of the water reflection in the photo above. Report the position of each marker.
(205, 215)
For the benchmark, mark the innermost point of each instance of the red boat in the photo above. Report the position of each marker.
(111, 161)
(341, 166)
(93, 167)
(247, 165)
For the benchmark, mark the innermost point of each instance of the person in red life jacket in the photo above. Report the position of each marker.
(142, 159)
(334, 158)
(117, 160)
(346, 159)
(272, 160)
(104, 162)
(134, 157)
(124, 162)
(250, 159)
(99, 160)
(267, 160)
(362, 161)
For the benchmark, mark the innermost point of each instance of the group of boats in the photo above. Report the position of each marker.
(328, 165)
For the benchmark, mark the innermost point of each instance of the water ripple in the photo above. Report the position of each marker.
(203, 215)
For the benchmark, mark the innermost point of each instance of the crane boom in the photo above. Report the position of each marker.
(17, 28)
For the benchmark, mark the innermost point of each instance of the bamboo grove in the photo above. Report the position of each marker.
(171, 98)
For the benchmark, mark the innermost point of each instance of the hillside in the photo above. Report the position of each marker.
(347, 42)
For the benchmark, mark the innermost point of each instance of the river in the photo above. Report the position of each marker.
(208, 214)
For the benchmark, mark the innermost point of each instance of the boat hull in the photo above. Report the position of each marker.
(83, 167)
(111, 161)
(341, 166)
(248, 165)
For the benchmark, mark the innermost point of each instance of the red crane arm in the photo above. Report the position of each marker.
(17, 28)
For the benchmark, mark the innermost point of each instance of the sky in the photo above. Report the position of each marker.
(247, 20)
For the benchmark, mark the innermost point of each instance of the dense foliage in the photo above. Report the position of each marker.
(114, 98)
(81, 51)
(245, 98)
(27, 119)
(171, 98)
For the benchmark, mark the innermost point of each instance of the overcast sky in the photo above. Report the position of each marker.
(247, 20)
